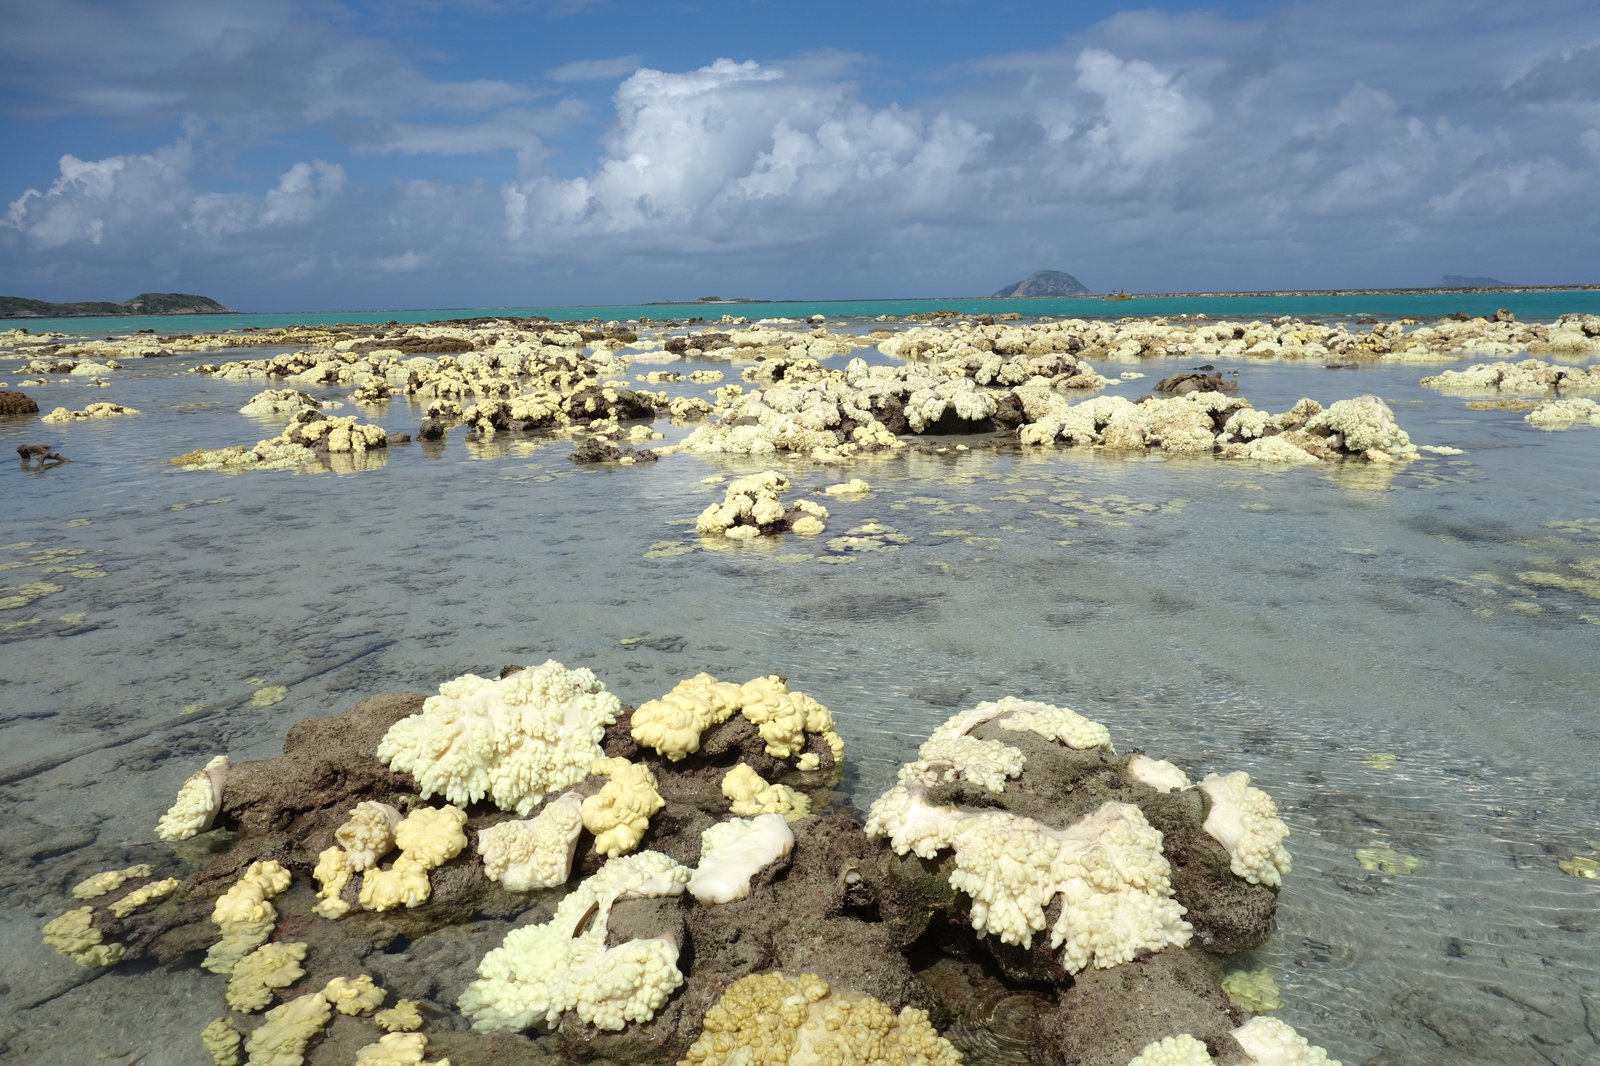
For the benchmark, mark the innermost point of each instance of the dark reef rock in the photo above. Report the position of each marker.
(14, 403)
(1196, 381)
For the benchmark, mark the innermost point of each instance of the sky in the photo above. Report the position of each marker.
(344, 155)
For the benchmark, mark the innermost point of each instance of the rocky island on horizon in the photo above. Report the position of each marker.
(146, 303)
(1045, 283)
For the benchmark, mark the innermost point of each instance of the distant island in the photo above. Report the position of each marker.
(1461, 281)
(146, 303)
(1045, 283)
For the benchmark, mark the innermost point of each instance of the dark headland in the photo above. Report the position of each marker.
(146, 303)
(1045, 283)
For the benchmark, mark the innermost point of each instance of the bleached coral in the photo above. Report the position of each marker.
(353, 995)
(1061, 724)
(512, 741)
(396, 1049)
(947, 757)
(404, 884)
(244, 914)
(1158, 774)
(102, 883)
(280, 402)
(1245, 821)
(271, 966)
(749, 793)
(1270, 1042)
(1363, 426)
(288, 1028)
(143, 895)
(221, 1041)
(537, 853)
(786, 719)
(672, 725)
(431, 836)
(402, 1017)
(774, 1020)
(733, 852)
(74, 935)
(368, 834)
(1181, 1050)
(1108, 869)
(751, 507)
(542, 971)
(332, 873)
(198, 803)
(94, 410)
(619, 813)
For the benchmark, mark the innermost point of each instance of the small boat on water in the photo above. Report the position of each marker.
(1119, 295)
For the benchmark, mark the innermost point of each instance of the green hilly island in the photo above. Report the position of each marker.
(146, 303)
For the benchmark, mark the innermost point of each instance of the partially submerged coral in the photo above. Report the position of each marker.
(94, 410)
(511, 741)
(733, 852)
(244, 916)
(751, 507)
(143, 896)
(287, 1030)
(75, 936)
(109, 881)
(1245, 821)
(749, 793)
(258, 974)
(353, 995)
(197, 804)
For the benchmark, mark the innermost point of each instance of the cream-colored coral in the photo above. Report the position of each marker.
(774, 1020)
(1270, 1042)
(269, 967)
(619, 813)
(221, 1041)
(432, 836)
(94, 410)
(353, 995)
(198, 802)
(368, 834)
(74, 935)
(1245, 821)
(542, 971)
(511, 740)
(102, 883)
(947, 757)
(537, 853)
(673, 724)
(1061, 724)
(332, 873)
(1158, 774)
(402, 1017)
(244, 916)
(286, 1030)
(749, 793)
(1181, 1050)
(142, 895)
(733, 852)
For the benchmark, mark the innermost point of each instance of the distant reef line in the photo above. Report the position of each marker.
(1426, 290)
(146, 303)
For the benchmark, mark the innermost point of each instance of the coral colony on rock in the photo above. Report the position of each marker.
(548, 875)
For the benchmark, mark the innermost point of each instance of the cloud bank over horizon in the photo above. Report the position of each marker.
(306, 155)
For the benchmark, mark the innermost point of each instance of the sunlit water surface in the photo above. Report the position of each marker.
(1298, 624)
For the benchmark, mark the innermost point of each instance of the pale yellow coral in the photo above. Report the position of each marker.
(432, 836)
(287, 1029)
(143, 894)
(1245, 821)
(1181, 1050)
(396, 1049)
(101, 883)
(673, 724)
(619, 813)
(353, 995)
(244, 916)
(402, 1017)
(221, 1042)
(749, 793)
(269, 967)
(787, 718)
(404, 884)
(774, 1020)
(332, 873)
(74, 935)
(368, 834)
(197, 804)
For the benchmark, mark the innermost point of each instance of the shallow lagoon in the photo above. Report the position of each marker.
(1298, 624)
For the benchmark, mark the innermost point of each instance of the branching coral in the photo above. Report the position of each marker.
(512, 741)
(537, 853)
(197, 804)
(733, 852)
(542, 971)
(1245, 821)
(774, 1020)
(619, 813)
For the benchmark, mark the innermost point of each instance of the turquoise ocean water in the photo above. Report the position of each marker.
(1525, 305)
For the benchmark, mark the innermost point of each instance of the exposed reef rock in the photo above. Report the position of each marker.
(751, 507)
(14, 403)
(789, 918)
(311, 439)
(1529, 377)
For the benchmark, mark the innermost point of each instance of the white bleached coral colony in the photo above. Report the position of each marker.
(770, 1019)
(751, 507)
(1266, 1042)
(540, 972)
(733, 852)
(1245, 821)
(535, 853)
(511, 741)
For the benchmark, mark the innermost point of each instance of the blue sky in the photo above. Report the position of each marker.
(315, 154)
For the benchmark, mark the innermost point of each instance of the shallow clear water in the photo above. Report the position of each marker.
(1292, 623)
